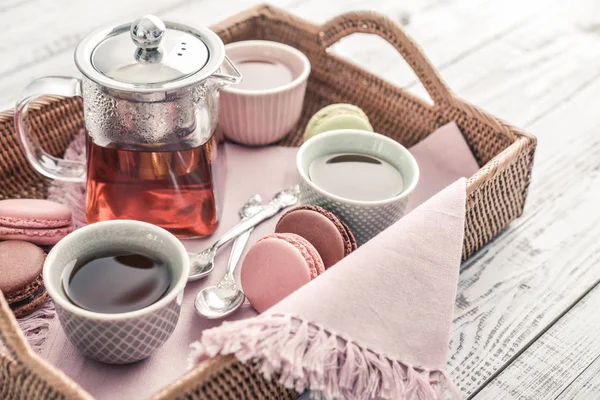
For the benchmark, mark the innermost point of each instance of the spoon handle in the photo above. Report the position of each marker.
(244, 225)
(234, 258)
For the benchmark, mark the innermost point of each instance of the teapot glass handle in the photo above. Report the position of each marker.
(44, 163)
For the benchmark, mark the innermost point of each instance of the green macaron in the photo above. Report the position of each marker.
(337, 116)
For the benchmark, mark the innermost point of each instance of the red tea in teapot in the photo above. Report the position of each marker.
(172, 189)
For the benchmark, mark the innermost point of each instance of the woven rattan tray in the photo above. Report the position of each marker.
(496, 193)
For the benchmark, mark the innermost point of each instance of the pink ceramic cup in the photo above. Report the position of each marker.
(265, 107)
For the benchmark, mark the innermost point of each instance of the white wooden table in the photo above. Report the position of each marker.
(527, 320)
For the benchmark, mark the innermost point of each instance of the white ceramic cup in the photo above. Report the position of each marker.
(263, 116)
(365, 218)
(124, 337)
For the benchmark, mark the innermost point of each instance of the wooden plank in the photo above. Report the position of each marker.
(549, 366)
(444, 31)
(532, 69)
(11, 4)
(518, 284)
(41, 29)
(587, 384)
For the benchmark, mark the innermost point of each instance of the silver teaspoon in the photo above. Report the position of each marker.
(203, 263)
(222, 300)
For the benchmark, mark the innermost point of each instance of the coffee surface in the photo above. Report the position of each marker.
(356, 177)
(118, 282)
(263, 75)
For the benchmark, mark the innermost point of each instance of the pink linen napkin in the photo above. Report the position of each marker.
(250, 171)
(374, 326)
(443, 157)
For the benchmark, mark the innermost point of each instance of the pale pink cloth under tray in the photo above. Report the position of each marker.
(265, 171)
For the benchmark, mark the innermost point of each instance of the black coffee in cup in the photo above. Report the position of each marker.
(117, 282)
(356, 176)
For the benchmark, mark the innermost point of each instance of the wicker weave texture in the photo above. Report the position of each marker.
(18, 382)
(496, 194)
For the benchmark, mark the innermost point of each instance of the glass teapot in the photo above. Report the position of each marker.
(151, 98)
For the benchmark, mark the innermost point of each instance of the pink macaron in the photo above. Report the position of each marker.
(36, 221)
(276, 266)
(21, 279)
(323, 229)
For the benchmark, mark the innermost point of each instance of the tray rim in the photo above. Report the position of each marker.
(524, 143)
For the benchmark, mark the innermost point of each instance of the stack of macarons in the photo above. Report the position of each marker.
(25, 224)
(307, 240)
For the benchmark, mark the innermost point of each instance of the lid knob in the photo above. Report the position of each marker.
(148, 32)
(150, 56)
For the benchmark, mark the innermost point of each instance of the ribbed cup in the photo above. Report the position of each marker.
(264, 116)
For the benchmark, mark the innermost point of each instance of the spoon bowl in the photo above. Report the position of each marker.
(202, 263)
(224, 299)
(214, 302)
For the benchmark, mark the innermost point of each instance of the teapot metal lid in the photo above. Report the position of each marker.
(150, 56)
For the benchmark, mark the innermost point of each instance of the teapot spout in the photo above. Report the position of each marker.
(231, 75)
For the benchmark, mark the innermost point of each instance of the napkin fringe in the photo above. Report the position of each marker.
(36, 325)
(304, 355)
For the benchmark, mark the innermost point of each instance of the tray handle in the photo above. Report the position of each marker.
(384, 27)
(14, 340)
(378, 24)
